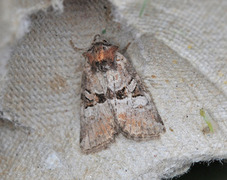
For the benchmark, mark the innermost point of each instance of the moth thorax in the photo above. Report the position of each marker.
(104, 65)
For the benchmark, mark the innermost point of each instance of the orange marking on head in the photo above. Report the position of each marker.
(110, 53)
(100, 55)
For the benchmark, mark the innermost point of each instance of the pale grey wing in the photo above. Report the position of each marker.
(97, 125)
(135, 110)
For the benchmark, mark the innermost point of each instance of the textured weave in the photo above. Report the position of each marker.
(178, 49)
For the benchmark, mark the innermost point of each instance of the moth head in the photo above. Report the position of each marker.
(101, 50)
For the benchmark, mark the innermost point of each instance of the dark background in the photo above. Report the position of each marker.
(216, 170)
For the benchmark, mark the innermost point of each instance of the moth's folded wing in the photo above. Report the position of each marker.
(135, 110)
(140, 120)
(97, 128)
(140, 124)
(97, 125)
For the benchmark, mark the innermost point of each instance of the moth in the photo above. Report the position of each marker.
(114, 100)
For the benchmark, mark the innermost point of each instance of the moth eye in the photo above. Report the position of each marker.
(104, 48)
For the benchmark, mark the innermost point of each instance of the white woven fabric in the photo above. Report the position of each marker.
(179, 50)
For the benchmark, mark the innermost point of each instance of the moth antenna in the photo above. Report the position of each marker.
(74, 47)
(125, 48)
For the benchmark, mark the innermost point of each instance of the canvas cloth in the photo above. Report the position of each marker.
(177, 47)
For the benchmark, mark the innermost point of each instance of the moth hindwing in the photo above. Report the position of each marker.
(114, 100)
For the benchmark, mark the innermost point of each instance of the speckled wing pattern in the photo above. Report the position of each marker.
(114, 100)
